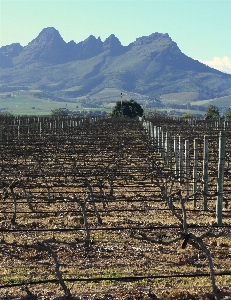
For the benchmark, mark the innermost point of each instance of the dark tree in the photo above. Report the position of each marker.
(212, 112)
(60, 112)
(228, 115)
(129, 108)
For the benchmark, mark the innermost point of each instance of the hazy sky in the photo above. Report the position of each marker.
(201, 28)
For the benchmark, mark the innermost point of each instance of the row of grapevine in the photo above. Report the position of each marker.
(93, 208)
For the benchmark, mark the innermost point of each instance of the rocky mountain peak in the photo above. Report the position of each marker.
(91, 47)
(112, 43)
(144, 40)
(11, 50)
(48, 35)
(91, 41)
(7, 53)
(48, 46)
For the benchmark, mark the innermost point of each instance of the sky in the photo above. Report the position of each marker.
(201, 28)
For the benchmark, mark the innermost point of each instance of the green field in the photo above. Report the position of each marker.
(22, 105)
(182, 111)
(108, 92)
(220, 102)
(179, 98)
(28, 105)
(190, 97)
(111, 95)
(73, 89)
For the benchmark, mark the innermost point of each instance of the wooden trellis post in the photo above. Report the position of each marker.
(181, 147)
(158, 138)
(170, 153)
(1, 137)
(176, 153)
(152, 132)
(187, 166)
(149, 128)
(40, 129)
(166, 148)
(220, 178)
(163, 143)
(18, 131)
(205, 173)
(195, 171)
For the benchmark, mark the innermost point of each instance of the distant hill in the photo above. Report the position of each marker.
(151, 65)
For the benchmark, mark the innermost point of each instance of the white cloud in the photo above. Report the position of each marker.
(220, 63)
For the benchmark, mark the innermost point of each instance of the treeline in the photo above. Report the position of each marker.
(5, 88)
(66, 112)
(48, 95)
(187, 106)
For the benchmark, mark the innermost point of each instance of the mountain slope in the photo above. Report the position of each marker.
(152, 65)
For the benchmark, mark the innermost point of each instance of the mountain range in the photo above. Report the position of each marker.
(151, 65)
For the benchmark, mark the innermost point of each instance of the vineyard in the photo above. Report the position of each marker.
(96, 208)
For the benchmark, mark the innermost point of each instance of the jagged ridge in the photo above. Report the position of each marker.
(50, 47)
(151, 65)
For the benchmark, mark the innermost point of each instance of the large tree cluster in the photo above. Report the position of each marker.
(127, 108)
